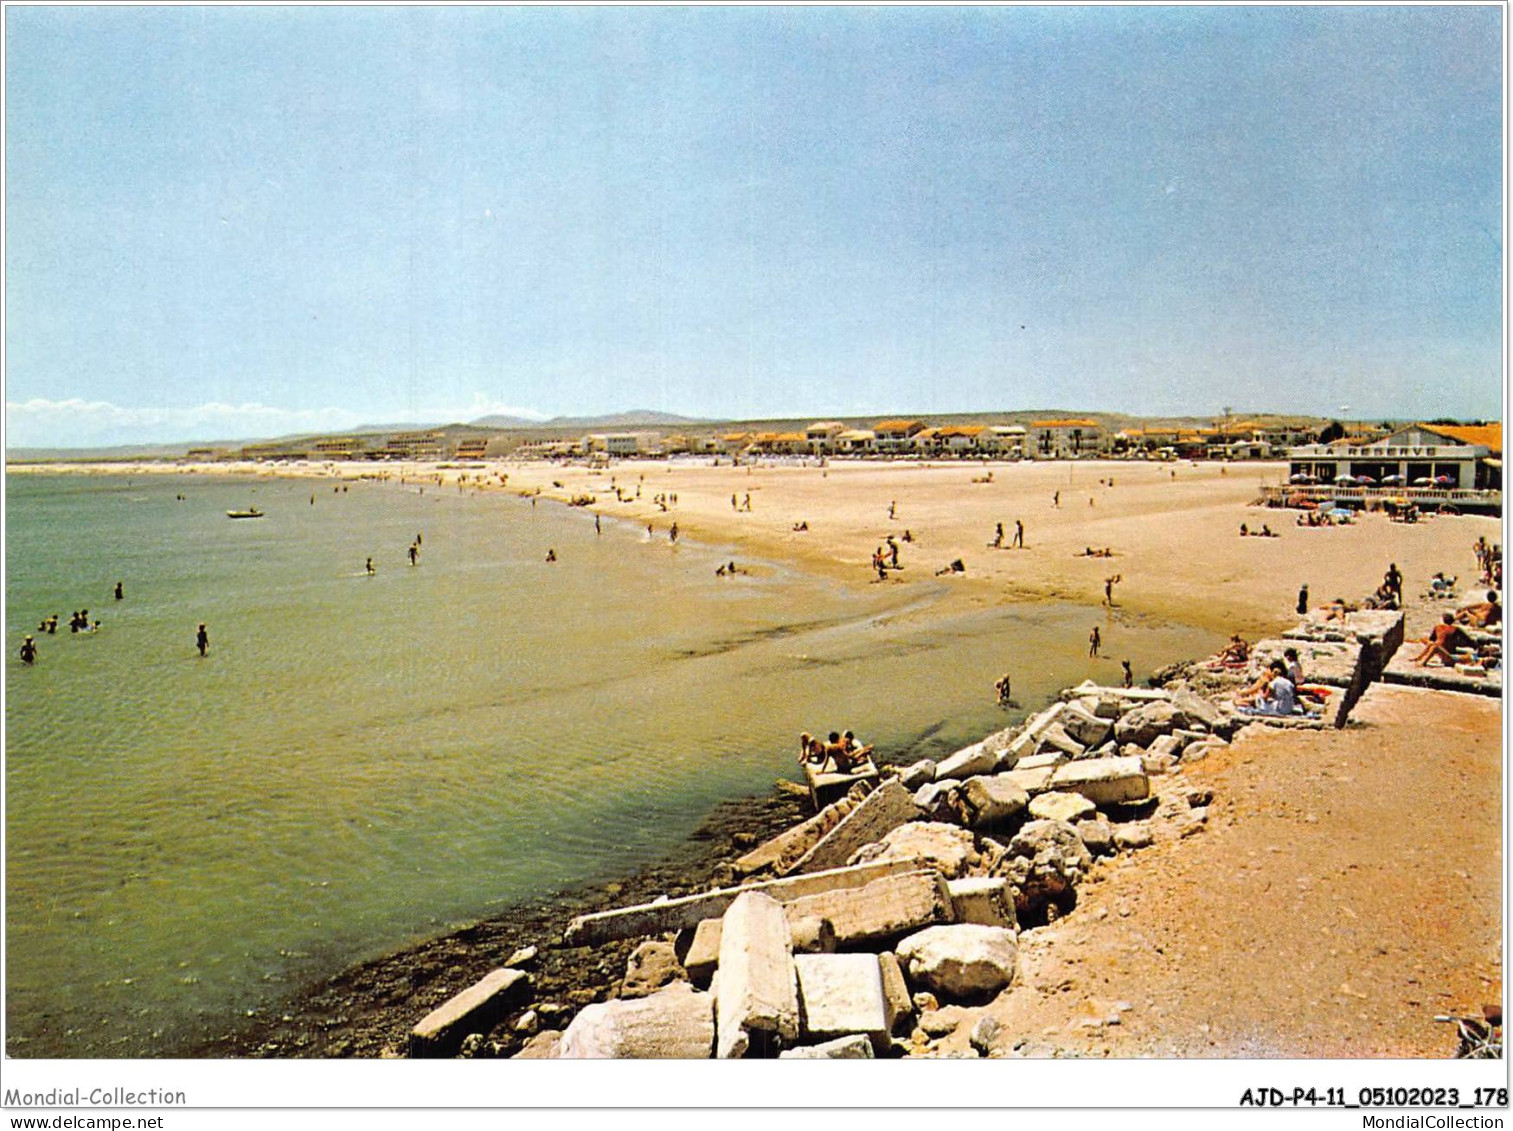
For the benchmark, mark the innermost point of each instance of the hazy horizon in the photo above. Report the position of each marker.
(261, 222)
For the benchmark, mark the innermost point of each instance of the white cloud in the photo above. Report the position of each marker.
(76, 422)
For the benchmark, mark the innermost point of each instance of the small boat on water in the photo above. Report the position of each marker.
(252, 512)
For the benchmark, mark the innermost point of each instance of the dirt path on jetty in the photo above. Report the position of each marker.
(1346, 889)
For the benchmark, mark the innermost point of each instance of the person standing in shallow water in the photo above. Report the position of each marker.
(1094, 642)
(28, 651)
(120, 595)
(202, 640)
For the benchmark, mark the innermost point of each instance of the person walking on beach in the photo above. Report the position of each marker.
(893, 508)
(1129, 676)
(120, 596)
(202, 639)
(892, 551)
(414, 553)
(1303, 601)
(1004, 690)
(733, 505)
(1094, 642)
(998, 536)
(672, 534)
(1108, 592)
(28, 651)
(1056, 499)
(746, 503)
(1018, 534)
(598, 529)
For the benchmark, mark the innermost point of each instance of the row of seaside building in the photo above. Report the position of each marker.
(1464, 455)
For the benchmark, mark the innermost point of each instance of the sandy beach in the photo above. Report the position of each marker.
(1309, 825)
(1173, 529)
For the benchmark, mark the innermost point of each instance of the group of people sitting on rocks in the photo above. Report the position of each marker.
(841, 751)
(1278, 690)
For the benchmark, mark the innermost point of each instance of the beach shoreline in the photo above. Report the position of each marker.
(1228, 583)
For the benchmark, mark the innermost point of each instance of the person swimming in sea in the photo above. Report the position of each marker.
(120, 595)
(28, 651)
(202, 639)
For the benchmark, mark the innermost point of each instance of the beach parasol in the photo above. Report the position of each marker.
(1365, 479)
(1344, 479)
(1392, 479)
(1301, 478)
(1423, 481)
(1443, 480)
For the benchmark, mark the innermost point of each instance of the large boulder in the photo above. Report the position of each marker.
(937, 799)
(979, 758)
(991, 800)
(856, 1047)
(920, 773)
(1104, 781)
(949, 849)
(1054, 739)
(1068, 807)
(1045, 863)
(983, 899)
(1084, 726)
(757, 996)
(652, 965)
(842, 994)
(961, 960)
(675, 1023)
(1146, 723)
(1193, 708)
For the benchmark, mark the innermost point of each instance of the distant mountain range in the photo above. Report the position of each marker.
(637, 418)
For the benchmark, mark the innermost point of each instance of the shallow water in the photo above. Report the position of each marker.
(364, 760)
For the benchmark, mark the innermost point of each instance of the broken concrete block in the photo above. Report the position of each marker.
(651, 966)
(1084, 726)
(858, 1047)
(1047, 761)
(984, 900)
(1055, 740)
(476, 1009)
(1069, 807)
(757, 999)
(884, 809)
(782, 850)
(842, 994)
(937, 800)
(1097, 835)
(989, 800)
(675, 1023)
(1036, 780)
(700, 950)
(1168, 745)
(974, 759)
(918, 774)
(949, 849)
(811, 935)
(961, 960)
(896, 1000)
(1146, 723)
(664, 915)
(883, 909)
(1155, 765)
(1135, 834)
(1104, 781)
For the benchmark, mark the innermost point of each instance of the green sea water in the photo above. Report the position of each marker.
(362, 761)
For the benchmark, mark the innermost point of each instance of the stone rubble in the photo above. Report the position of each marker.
(891, 918)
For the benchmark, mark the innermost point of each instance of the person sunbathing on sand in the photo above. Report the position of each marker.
(1484, 614)
(1442, 642)
(1338, 608)
(1237, 651)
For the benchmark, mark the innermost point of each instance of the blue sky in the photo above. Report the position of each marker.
(242, 222)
